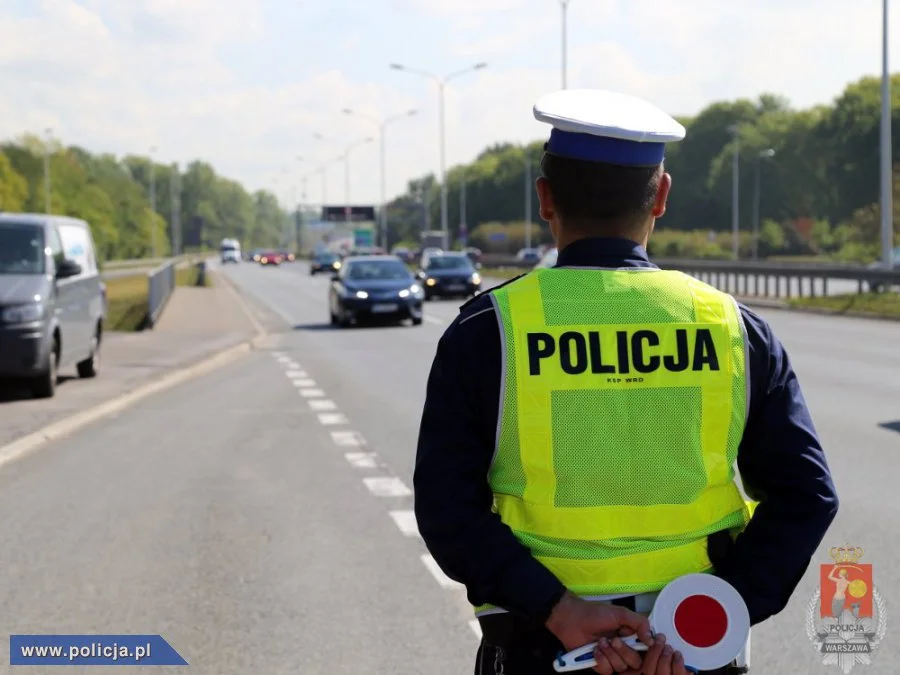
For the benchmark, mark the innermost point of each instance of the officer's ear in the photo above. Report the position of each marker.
(545, 198)
(662, 195)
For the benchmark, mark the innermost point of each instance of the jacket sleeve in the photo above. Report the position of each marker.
(453, 500)
(783, 467)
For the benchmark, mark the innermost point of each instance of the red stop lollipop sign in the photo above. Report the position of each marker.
(702, 616)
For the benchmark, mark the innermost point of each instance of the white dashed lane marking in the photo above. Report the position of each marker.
(347, 438)
(406, 522)
(361, 460)
(387, 487)
(322, 404)
(304, 383)
(332, 418)
(438, 574)
(312, 393)
(296, 373)
(433, 320)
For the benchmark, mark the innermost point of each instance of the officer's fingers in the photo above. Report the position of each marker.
(678, 667)
(664, 666)
(604, 667)
(638, 623)
(653, 655)
(615, 660)
(628, 655)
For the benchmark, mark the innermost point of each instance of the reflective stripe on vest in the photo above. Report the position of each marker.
(624, 399)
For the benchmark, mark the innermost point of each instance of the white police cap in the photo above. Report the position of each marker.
(605, 126)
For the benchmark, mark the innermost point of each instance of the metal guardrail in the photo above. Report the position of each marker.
(736, 277)
(161, 285)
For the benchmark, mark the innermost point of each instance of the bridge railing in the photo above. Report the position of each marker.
(760, 278)
(161, 285)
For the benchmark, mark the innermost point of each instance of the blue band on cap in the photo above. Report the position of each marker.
(606, 150)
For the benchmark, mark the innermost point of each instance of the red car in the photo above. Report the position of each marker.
(271, 258)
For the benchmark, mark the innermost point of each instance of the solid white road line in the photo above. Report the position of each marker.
(476, 628)
(361, 460)
(332, 418)
(304, 383)
(406, 522)
(438, 573)
(312, 393)
(322, 404)
(296, 374)
(347, 438)
(387, 487)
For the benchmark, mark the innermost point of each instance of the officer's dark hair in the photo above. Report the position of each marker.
(600, 199)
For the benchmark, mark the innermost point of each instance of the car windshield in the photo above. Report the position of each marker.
(328, 257)
(378, 270)
(21, 249)
(449, 262)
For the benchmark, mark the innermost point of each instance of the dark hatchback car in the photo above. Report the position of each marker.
(449, 275)
(325, 262)
(374, 288)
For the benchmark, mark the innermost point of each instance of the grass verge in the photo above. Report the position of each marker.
(127, 298)
(885, 305)
(127, 302)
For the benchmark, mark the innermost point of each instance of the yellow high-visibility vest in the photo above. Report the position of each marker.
(624, 400)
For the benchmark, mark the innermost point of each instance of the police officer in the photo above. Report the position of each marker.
(582, 422)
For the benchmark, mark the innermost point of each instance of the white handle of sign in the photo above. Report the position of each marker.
(582, 658)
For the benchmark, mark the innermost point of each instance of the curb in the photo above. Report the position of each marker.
(27, 444)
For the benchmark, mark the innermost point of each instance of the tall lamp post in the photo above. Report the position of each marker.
(441, 84)
(153, 203)
(734, 129)
(887, 206)
(382, 124)
(48, 132)
(528, 188)
(765, 154)
(346, 157)
(564, 4)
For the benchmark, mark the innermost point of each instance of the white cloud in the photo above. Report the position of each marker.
(117, 75)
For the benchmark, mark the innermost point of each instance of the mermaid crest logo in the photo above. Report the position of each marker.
(846, 617)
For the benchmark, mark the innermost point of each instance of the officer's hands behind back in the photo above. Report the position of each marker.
(576, 622)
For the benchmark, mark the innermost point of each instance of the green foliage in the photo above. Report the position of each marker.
(818, 193)
(114, 196)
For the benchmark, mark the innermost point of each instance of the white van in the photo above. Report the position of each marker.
(230, 251)
(52, 300)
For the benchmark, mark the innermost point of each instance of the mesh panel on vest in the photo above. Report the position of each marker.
(659, 463)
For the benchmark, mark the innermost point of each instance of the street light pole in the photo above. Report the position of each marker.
(347, 174)
(735, 193)
(887, 206)
(765, 154)
(382, 125)
(463, 226)
(527, 199)
(565, 6)
(153, 204)
(441, 83)
(47, 202)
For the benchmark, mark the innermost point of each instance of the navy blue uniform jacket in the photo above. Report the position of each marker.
(780, 461)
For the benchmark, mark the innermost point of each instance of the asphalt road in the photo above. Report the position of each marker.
(233, 514)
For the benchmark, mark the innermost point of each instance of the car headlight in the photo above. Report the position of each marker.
(362, 295)
(476, 278)
(337, 265)
(430, 282)
(23, 313)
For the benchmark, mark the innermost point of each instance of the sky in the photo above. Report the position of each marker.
(258, 87)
